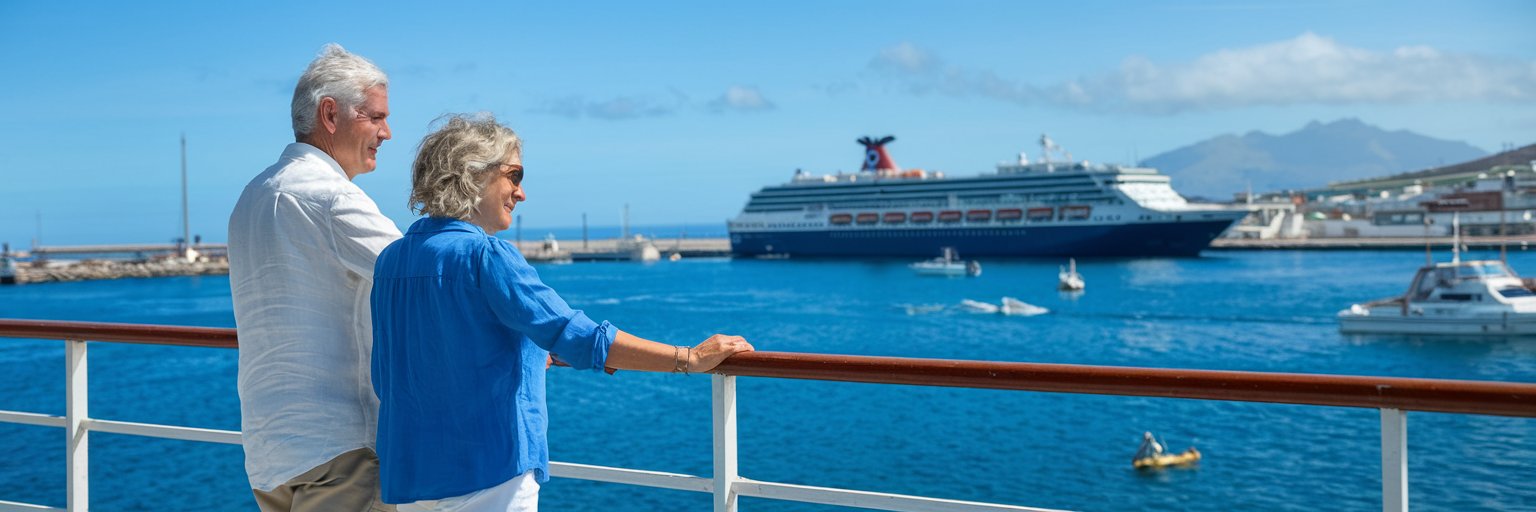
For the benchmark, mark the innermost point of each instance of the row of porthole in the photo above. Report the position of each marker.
(917, 234)
(952, 216)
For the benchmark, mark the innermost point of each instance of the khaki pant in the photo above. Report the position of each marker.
(349, 482)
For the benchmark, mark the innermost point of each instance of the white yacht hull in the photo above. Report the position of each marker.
(1501, 324)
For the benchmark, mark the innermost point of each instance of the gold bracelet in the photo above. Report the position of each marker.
(678, 366)
(688, 361)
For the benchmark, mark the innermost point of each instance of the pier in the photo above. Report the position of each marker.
(617, 249)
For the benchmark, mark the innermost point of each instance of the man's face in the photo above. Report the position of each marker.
(360, 132)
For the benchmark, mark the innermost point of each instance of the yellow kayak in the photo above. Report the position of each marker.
(1162, 461)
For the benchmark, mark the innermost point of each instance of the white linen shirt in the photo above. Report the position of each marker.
(302, 244)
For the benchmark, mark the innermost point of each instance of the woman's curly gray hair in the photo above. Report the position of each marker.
(454, 163)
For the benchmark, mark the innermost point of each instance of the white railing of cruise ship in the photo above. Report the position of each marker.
(1392, 396)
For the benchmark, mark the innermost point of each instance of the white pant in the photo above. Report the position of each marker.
(520, 494)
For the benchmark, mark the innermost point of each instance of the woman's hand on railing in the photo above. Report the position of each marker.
(709, 354)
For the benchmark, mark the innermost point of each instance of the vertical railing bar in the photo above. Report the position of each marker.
(1394, 460)
(76, 419)
(723, 397)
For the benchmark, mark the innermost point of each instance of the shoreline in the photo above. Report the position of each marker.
(540, 251)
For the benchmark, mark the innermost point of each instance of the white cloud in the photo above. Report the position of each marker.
(740, 98)
(1308, 69)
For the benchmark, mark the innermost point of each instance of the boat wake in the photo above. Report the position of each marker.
(1009, 306)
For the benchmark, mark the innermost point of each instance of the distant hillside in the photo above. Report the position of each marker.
(1311, 157)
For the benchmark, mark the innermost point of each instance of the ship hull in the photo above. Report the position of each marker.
(1105, 240)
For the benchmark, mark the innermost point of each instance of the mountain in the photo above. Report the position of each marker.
(1311, 157)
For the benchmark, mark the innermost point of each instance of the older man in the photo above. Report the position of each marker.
(302, 243)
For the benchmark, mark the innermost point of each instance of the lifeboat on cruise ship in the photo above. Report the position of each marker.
(949, 216)
(867, 218)
(978, 215)
(894, 218)
(1076, 212)
(840, 219)
(1010, 214)
(922, 217)
(1041, 214)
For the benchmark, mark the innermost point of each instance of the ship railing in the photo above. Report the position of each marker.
(1393, 397)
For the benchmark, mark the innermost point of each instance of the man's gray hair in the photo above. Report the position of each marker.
(335, 73)
(454, 164)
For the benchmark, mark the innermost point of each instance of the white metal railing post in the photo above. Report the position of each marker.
(75, 417)
(724, 407)
(1394, 460)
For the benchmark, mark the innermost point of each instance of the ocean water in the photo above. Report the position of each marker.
(1258, 311)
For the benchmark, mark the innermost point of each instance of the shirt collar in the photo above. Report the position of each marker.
(300, 150)
(438, 224)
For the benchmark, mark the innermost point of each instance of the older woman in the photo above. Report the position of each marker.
(463, 326)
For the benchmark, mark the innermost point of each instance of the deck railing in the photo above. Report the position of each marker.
(1394, 397)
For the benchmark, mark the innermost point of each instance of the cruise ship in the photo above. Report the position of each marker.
(1049, 207)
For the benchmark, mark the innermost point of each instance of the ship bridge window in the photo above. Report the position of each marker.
(1515, 291)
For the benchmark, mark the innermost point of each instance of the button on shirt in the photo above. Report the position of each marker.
(302, 243)
(462, 326)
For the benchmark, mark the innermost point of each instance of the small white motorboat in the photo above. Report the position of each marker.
(948, 265)
(975, 306)
(1068, 279)
(1012, 306)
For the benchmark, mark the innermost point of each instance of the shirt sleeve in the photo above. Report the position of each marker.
(524, 303)
(360, 232)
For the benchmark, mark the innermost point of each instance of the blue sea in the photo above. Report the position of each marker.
(1255, 311)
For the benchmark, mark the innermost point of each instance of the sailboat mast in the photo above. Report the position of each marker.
(186, 229)
(1455, 237)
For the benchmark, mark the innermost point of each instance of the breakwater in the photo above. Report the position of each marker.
(85, 270)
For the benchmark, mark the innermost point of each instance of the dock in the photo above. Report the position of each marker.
(609, 249)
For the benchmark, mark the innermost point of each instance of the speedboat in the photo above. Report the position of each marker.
(1069, 280)
(976, 306)
(947, 264)
(1012, 306)
(1482, 297)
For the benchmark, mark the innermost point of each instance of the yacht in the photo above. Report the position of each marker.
(1459, 297)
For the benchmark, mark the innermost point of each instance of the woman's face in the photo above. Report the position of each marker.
(500, 196)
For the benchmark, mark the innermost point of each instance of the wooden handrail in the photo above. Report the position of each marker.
(1433, 395)
(216, 337)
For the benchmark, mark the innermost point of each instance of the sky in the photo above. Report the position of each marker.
(682, 109)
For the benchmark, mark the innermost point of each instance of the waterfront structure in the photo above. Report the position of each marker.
(1493, 196)
(1042, 208)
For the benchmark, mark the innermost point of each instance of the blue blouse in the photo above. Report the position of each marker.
(461, 328)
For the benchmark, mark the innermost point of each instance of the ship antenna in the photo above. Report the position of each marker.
(1428, 260)
(1455, 237)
